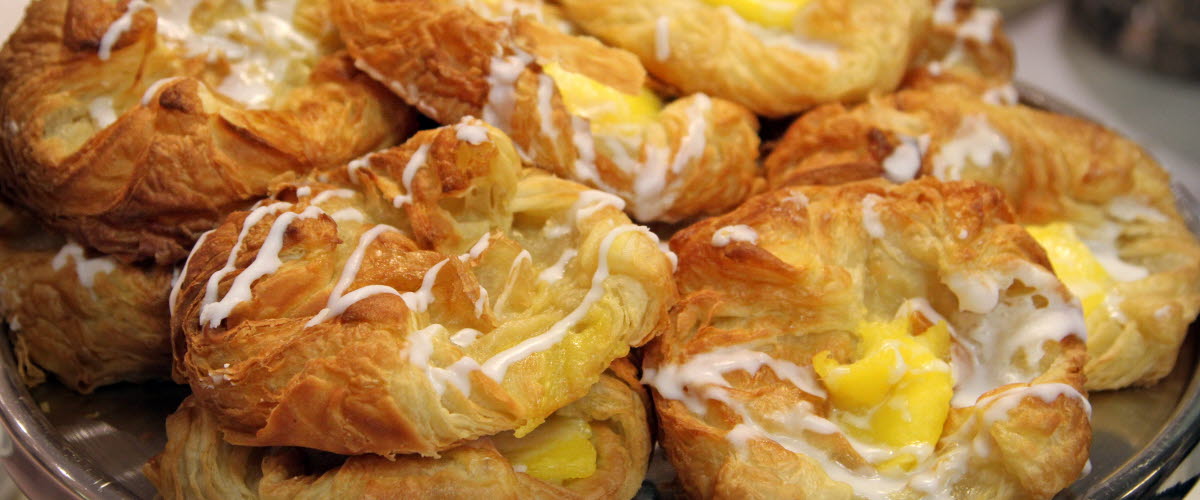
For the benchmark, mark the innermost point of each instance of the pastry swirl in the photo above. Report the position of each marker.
(439, 295)
(134, 127)
(775, 383)
(1053, 169)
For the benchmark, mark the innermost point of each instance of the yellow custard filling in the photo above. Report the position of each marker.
(897, 392)
(1075, 264)
(604, 106)
(559, 449)
(770, 13)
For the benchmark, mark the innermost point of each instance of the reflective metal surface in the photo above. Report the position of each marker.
(71, 446)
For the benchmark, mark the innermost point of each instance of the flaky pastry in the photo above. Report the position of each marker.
(616, 440)
(870, 341)
(89, 320)
(966, 45)
(1101, 205)
(776, 57)
(134, 127)
(572, 106)
(441, 294)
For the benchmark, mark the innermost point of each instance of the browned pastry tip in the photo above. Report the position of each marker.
(197, 463)
(137, 154)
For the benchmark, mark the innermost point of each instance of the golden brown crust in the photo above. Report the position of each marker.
(966, 44)
(815, 270)
(1057, 169)
(173, 162)
(198, 464)
(88, 320)
(442, 58)
(847, 50)
(357, 382)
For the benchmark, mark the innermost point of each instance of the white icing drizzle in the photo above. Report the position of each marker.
(356, 164)
(503, 74)
(1003, 95)
(702, 377)
(410, 172)
(420, 350)
(976, 141)
(178, 281)
(870, 217)
(1129, 209)
(347, 215)
(86, 269)
(662, 38)
(465, 337)
(329, 194)
(729, 234)
(998, 405)
(1102, 241)
(943, 12)
(471, 131)
(256, 215)
(980, 25)
(152, 90)
(480, 246)
(985, 345)
(652, 192)
(497, 366)
(420, 299)
(337, 303)
(102, 111)
(905, 161)
(266, 262)
(585, 148)
(303, 191)
(523, 257)
(545, 95)
(119, 27)
(555, 272)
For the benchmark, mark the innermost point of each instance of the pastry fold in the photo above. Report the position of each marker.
(89, 320)
(198, 464)
(694, 156)
(1052, 169)
(134, 127)
(422, 297)
(787, 281)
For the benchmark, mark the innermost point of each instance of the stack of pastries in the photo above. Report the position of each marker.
(394, 246)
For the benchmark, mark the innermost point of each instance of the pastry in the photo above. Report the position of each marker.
(1102, 206)
(89, 320)
(133, 127)
(572, 106)
(966, 45)
(776, 57)
(596, 447)
(870, 341)
(422, 297)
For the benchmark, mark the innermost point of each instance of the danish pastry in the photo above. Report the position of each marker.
(1102, 207)
(870, 341)
(596, 447)
(89, 320)
(775, 57)
(440, 295)
(134, 127)
(571, 105)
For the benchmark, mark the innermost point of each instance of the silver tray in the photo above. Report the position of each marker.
(69, 446)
